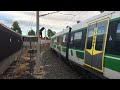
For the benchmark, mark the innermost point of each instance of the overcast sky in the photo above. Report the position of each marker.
(56, 21)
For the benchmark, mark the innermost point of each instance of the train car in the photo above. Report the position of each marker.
(10, 42)
(93, 44)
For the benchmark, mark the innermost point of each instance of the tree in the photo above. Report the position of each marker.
(31, 32)
(50, 33)
(15, 27)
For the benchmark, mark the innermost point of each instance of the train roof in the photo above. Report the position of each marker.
(83, 24)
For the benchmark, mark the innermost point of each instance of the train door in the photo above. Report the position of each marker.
(68, 43)
(95, 44)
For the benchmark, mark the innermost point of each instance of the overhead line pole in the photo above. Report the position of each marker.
(37, 32)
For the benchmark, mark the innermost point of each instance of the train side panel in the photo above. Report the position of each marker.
(111, 59)
(10, 42)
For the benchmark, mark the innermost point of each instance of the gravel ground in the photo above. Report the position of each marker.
(51, 67)
(48, 66)
(19, 69)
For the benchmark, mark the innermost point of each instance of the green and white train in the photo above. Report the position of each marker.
(93, 44)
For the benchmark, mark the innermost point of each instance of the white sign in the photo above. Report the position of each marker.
(110, 38)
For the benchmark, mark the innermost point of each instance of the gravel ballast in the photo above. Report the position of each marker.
(51, 67)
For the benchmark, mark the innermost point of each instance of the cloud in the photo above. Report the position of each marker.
(57, 21)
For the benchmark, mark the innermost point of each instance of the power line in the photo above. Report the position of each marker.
(83, 15)
(48, 13)
(31, 20)
(88, 15)
(70, 20)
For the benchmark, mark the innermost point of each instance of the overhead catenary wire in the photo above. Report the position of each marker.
(42, 16)
(83, 15)
(74, 17)
(70, 20)
(32, 23)
(88, 15)
(31, 20)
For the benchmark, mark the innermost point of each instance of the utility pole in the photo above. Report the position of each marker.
(37, 32)
(45, 38)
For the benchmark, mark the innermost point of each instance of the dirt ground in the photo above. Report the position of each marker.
(20, 68)
(49, 67)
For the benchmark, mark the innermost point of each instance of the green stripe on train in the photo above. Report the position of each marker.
(80, 54)
(59, 48)
(112, 55)
(108, 62)
(71, 52)
(64, 49)
(112, 64)
(115, 19)
(54, 46)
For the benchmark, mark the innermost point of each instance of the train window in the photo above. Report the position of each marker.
(77, 39)
(118, 28)
(78, 35)
(55, 40)
(118, 33)
(101, 30)
(59, 39)
(71, 40)
(100, 38)
(90, 37)
(116, 48)
(64, 38)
